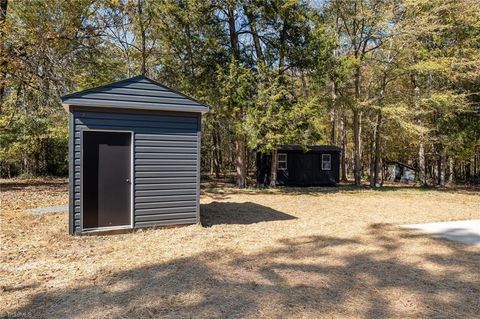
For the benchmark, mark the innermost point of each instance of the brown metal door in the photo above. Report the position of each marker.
(106, 179)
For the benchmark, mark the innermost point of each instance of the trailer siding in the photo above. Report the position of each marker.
(304, 166)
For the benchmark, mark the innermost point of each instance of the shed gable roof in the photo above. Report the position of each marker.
(139, 93)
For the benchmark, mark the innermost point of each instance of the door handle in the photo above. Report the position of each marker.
(127, 180)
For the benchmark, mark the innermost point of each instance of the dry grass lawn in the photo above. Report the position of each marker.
(292, 253)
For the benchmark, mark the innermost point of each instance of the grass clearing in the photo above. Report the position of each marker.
(302, 253)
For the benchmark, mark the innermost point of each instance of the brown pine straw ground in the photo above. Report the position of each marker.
(288, 253)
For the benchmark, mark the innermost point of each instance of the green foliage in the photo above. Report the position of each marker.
(444, 56)
(273, 72)
(236, 89)
(279, 117)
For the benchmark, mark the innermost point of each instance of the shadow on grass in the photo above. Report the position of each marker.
(339, 278)
(239, 213)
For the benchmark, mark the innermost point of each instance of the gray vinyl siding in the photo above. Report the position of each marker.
(165, 163)
(71, 180)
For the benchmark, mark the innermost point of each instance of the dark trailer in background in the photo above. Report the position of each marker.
(134, 156)
(313, 165)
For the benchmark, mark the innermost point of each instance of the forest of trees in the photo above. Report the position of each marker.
(383, 79)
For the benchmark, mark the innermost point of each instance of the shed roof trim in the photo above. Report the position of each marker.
(314, 148)
(138, 92)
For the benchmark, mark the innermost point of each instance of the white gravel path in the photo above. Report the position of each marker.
(52, 209)
(464, 231)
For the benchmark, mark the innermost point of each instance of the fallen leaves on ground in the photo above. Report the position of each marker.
(299, 253)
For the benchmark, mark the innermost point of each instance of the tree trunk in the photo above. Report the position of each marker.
(461, 170)
(383, 172)
(240, 162)
(442, 167)
(252, 22)
(475, 164)
(377, 133)
(357, 119)
(273, 169)
(281, 50)
(333, 113)
(216, 150)
(357, 131)
(247, 158)
(26, 169)
(210, 162)
(233, 32)
(376, 150)
(344, 149)
(422, 177)
(451, 174)
(371, 158)
(332, 127)
(217, 147)
(3, 61)
(240, 154)
(467, 170)
(457, 170)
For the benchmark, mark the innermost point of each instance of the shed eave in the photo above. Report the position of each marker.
(194, 109)
(309, 148)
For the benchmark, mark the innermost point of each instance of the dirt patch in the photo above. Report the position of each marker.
(302, 253)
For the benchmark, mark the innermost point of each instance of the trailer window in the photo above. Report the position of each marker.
(282, 161)
(326, 162)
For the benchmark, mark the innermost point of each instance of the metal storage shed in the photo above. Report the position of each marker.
(312, 165)
(134, 154)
